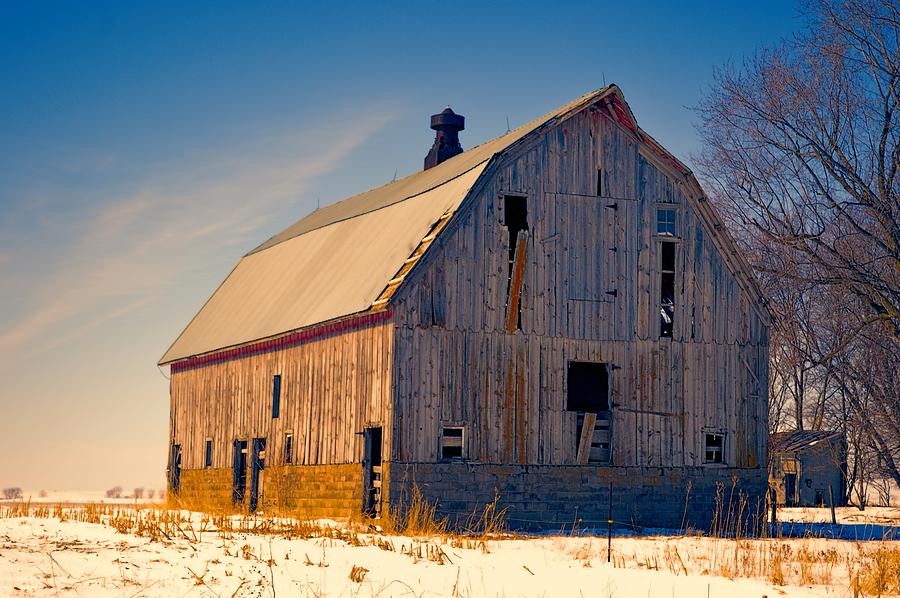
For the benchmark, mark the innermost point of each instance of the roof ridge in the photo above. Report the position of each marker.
(419, 182)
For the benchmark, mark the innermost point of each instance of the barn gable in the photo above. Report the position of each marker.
(625, 177)
(492, 314)
(338, 260)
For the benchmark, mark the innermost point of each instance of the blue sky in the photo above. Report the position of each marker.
(145, 147)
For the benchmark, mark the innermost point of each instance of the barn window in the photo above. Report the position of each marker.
(588, 387)
(515, 219)
(665, 222)
(666, 289)
(713, 448)
(276, 396)
(452, 443)
(207, 462)
(288, 448)
(588, 397)
(599, 182)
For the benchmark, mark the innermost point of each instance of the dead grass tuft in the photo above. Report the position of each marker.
(357, 574)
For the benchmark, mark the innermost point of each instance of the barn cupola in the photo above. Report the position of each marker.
(447, 126)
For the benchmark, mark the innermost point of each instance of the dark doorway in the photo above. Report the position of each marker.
(790, 489)
(239, 472)
(588, 396)
(372, 473)
(175, 472)
(257, 464)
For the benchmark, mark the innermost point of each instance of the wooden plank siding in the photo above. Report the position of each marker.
(331, 389)
(456, 361)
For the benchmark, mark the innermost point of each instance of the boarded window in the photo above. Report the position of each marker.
(452, 443)
(288, 448)
(713, 448)
(207, 461)
(276, 396)
(666, 289)
(665, 222)
(588, 387)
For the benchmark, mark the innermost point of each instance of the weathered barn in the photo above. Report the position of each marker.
(554, 317)
(808, 468)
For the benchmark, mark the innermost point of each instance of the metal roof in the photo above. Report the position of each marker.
(323, 274)
(336, 261)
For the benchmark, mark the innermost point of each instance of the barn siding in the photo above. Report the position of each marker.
(331, 389)
(465, 366)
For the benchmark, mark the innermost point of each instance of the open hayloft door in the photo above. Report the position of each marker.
(372, 472)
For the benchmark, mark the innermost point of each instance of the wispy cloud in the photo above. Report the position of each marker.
(131, 249)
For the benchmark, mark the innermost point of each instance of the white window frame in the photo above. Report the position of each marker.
(462, 442)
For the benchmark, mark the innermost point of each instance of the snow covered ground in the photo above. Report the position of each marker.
(844, 515)
(120, 551)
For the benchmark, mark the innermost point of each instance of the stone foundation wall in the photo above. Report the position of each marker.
(543, 497)
(207, 490)
(314, 490)
(308, 490)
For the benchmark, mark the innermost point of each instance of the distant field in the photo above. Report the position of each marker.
(120, 550)
(83, 497)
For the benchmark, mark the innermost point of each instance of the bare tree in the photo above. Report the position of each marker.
(801, 153)
(803, 142)
(12, 493)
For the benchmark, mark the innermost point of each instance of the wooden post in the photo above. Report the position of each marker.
(773, 496)
(587, 434)
(831, 502)
(515, 284)
(609, 525)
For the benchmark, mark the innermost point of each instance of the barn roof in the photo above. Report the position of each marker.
(337, 260)
(797, 440)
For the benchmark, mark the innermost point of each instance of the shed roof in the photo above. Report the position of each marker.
(797, 440)
(335, 261)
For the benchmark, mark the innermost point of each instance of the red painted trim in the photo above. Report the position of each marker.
(622, 115)
(283, 342)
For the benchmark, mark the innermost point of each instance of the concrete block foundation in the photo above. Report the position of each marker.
(547, 497)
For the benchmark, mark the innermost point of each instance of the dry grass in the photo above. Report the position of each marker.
(358, 574)
(877, 572)
(866, 569)
(418, 519)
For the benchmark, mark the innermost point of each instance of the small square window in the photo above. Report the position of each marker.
(665, 222)
(713, 448)
(288, 448)
(452, 444)
(207, 462)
